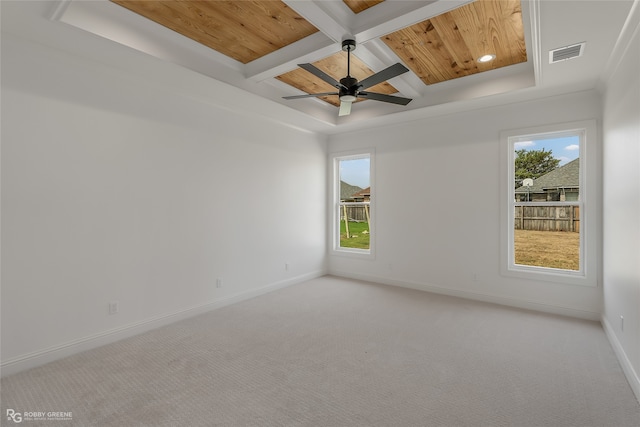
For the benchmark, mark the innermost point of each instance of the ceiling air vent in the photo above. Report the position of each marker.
(567, 52)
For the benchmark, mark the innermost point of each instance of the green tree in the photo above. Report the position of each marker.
(533, 164)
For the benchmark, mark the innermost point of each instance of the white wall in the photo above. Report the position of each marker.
(438, 206)
(621, 195)
(115, 188)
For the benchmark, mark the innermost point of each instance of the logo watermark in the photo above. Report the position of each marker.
(18, 417)
(14, 416)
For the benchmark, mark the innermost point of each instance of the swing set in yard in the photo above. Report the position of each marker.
(355, 225)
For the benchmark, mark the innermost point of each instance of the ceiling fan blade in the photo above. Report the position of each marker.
(321, 74)
(384, 98)
(384, 75)
(310, 95)
(345, 108)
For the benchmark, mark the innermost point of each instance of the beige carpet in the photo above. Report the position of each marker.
(336, 352)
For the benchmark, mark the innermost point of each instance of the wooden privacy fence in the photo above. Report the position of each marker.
(358, 212)
(547, 218)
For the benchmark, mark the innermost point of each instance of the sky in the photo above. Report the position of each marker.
(355, 172)
(565, 148)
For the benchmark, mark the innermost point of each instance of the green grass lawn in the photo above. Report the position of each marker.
(358, 239)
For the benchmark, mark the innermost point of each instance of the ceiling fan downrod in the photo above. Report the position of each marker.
(348, 45)
(349, 90)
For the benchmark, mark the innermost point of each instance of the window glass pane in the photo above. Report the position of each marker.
(546, 202)
(354, 204)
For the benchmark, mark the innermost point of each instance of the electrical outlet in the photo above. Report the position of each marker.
(114, 307)
(219, 283)
(286, 266)
(622, 323)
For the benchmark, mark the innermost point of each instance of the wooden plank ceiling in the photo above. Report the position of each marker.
(448, 46)
(358, 6)
(335, 66)
(243, 30)
(442, 48)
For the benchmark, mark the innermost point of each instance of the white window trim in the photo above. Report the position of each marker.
(589, 201)
(335, 200)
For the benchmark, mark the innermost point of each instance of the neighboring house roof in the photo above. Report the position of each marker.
(566, 176)
(362, 193)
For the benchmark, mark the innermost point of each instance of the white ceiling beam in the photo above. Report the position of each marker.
(336, 22)
(394, 15)
(331, 21)
(386, 11)
(309, 49)
(338, 10)
(320, 18)
(378, 57)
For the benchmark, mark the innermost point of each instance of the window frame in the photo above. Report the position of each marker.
(587, 275)
(336, 249)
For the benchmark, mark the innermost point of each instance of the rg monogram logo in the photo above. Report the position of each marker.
(14, 416)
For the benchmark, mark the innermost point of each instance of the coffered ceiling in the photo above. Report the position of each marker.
(256, 46)
(438, 49)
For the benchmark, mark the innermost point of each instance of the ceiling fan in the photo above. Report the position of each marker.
(349, 89)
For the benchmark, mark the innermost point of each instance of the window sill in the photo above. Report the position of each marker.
(549, 275)
(353, 253)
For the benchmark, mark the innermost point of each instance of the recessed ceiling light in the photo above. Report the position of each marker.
(486, 58)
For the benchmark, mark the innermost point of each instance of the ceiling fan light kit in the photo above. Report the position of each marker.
(349, 89)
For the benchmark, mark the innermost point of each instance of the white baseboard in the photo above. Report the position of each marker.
(627, 367)
(40, 357)
(511, 302)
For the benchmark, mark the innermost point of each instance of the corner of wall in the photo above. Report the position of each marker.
(627, 367)
(620, 86)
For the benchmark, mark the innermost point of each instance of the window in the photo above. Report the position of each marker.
(548, 192)
(353, 201)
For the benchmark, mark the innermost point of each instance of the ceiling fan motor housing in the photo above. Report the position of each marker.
(349, 86)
